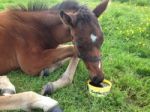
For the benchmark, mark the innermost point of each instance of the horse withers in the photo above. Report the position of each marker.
(31, 38)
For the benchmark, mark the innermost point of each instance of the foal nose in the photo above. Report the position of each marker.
(98, 78)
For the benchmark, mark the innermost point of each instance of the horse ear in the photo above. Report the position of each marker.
(65, 18)
(100, 8)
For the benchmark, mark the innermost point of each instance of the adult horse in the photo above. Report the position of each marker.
(30, 39)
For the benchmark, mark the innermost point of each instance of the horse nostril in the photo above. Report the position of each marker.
(95, 80)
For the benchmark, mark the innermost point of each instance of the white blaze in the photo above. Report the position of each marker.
(99, 65)
(93, 38)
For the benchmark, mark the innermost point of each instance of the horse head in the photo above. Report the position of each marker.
(87, 37)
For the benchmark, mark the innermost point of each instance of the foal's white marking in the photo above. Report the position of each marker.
(93, 38)
(99, 65)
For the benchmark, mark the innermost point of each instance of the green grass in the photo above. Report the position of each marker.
(135, 2)
(126, 63)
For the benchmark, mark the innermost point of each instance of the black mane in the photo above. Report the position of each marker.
(84, 14)
(67, 5)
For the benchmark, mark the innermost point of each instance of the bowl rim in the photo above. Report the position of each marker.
(100, 89)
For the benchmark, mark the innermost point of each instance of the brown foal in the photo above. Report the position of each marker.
(30, 39)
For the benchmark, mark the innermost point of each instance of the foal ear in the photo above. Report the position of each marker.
(100, 8)
(65, 18)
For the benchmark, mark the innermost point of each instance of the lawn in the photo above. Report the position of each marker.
(126, 62)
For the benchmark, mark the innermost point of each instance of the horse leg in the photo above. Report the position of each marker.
(65, 80)
(27, 101)
(38, 61)
(6, 86)
(53, 67)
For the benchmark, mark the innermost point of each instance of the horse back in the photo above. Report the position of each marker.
(7, 52)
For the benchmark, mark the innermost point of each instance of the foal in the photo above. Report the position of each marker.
(30, 39)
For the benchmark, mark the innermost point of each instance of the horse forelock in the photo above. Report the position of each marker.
(67, 5)
(84, 15)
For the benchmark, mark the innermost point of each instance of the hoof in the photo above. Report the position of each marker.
(47, 89)
(55, 109)
(44, 72)
(5, 92)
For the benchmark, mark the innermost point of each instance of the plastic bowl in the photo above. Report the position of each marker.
(100, 91)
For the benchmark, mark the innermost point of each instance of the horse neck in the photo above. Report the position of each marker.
(60, 33)
(50, 31)
(56, 29)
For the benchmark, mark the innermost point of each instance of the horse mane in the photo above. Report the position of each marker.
(42, 6)
(67, 5)
(84, 15)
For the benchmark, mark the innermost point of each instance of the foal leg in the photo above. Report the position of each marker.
(38, 61)
(65, 80)
(27, 101)
(53, 67)
(6, 86)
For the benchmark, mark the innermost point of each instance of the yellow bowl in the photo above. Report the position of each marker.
(100, 91)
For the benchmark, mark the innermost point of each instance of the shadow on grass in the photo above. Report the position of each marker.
(143, 72)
